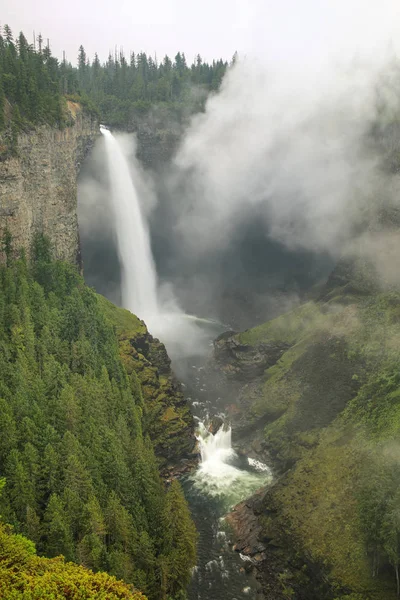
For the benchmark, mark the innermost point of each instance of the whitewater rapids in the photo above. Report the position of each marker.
(219, 475)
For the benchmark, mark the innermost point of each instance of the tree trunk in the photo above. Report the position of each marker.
(397, 579)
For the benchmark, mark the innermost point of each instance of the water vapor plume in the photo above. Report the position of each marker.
(301, 148)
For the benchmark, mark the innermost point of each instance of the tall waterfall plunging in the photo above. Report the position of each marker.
(182, 334)
(223, 477)
(139, 277)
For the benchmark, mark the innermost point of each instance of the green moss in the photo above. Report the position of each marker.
(125, 322)
(331, 404)
(319, 504)
(286, 328)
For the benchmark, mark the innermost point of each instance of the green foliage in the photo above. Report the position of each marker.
(30, 81)
(331, 405)
(377, 405)
(25, 576)
(86, 102)
(126, 90)
(81, 480)
(289, 327)
(378, 505)
(181, 541)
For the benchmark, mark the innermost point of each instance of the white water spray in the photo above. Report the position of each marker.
(215, 449)
(217, 475)
(139, 278)
(182, 334)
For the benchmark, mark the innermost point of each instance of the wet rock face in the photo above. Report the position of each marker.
(248, 531)
(156, 145)
(245, 362)
(275, 558)
(215, 425)
(38, 187)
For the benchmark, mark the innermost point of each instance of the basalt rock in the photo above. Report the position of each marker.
(215, 425)
(245, 362)
(272, 554)
(38, 186)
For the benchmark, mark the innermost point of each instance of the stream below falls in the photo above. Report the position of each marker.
(222, 480)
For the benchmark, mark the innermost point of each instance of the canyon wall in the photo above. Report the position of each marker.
(38, 185)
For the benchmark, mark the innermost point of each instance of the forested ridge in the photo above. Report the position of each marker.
(34, 84)
(81, 477)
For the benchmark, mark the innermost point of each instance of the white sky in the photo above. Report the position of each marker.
(284, 30)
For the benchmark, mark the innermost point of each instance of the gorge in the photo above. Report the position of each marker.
(217, 485)
(199, 327)
(269, 382)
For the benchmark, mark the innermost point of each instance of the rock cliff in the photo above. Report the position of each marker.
(38, 186)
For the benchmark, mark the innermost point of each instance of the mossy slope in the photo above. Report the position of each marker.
(328, 411)
(167, 417)
(26, 576)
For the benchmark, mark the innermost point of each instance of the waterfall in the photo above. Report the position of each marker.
(220, 473)
(216, 447)
(138, 273)
(215, 470)
(183, 335)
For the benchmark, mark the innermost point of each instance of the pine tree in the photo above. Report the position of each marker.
(181, 553)
(58, 536)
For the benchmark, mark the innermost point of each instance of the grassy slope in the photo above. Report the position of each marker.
(314, 402)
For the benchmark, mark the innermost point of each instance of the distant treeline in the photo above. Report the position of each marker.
(34, 84)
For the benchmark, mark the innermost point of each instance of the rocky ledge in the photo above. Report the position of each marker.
(272, 554)
(243, 361)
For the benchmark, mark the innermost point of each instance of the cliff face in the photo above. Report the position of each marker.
(157, 145)
(38, 186)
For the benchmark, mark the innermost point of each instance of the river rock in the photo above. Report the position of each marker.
(215, 425)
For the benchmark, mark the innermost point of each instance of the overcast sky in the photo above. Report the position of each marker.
(281, 29)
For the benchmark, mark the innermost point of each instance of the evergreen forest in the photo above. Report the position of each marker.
(81, 476)
(34, 84)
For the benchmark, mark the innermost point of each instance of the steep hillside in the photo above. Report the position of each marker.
(167, 417)
(79, 425)
(319, 393)
(26, 576)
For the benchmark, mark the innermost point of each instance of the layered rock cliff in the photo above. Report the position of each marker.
(38, 194)
(38, 186)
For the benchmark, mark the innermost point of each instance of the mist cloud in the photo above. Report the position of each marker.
(294, 147)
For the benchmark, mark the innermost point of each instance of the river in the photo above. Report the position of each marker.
(222, 480)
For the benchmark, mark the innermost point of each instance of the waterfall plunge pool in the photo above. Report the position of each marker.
(222, 480)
